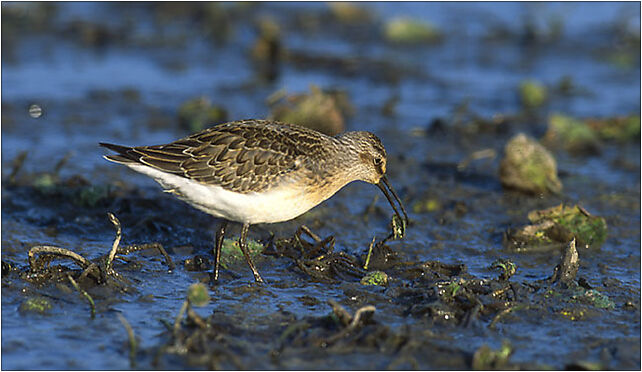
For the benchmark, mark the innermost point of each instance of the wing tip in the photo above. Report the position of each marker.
(117, 148)
(123, 156)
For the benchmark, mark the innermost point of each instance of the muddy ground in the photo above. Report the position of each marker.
(444, 85)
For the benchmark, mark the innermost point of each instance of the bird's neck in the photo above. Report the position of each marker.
(334, 171)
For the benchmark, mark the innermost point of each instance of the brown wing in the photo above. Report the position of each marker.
(241, 156)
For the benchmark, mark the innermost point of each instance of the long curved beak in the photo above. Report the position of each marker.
(383, 183)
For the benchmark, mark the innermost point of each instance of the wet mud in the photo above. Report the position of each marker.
(495, 269)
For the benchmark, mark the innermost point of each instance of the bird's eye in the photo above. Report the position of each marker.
(377, 161)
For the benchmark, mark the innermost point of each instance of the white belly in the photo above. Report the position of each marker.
(276, 205)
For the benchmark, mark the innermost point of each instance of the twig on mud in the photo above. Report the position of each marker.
(566, 270)
(16, 165)
(166, 323)
(365, 266)
(141, 247)
(56, 251)
(477, 155)
(90, 269)
(132, 248)
(114, 247)
(500, 291)
(470, 316)
(314, 236)
(132, 340)
(191, 314)
(177, 322)
(584, 211)
(357, 316)
(85, 294)
(400, 360)
(351, 322)
(61, 163)
(499, 315)
(344, 317)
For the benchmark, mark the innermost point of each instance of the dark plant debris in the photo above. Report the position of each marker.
(556, 226)
(88, 274)
(444, 295)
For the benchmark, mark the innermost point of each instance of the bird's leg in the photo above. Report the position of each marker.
(243, 245)
(220, 234)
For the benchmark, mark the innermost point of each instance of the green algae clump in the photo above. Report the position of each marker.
(450, 290)
(595, 298)
(532, 93)
(198, 295)
(618, 129)
(585, 136)
(528, 167)
(349, 13)
(45, 182)
(571, 134)
(231, 253)
(506, 268)
(92, 195)
(486, 358)
(559, 225)
(410, 31)
(572, 222)
(38, 305)
(426, 205)
(375, 278)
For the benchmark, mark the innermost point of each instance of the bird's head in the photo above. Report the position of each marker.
(369, 164)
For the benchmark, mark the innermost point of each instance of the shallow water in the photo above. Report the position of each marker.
(487, 50)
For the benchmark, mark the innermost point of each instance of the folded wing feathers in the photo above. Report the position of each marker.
(162, 164)
(240, 159)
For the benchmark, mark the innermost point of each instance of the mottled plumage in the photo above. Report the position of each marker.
(259, 171)
(242, 156)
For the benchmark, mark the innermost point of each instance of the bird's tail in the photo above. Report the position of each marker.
(124, 156)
